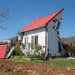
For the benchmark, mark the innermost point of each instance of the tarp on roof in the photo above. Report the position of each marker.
(3, 50)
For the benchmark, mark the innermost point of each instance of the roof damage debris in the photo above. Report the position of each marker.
(3, 50)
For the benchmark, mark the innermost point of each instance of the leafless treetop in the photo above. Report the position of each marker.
(3, 16)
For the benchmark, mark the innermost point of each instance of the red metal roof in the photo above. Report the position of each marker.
(3, 49)
(40, 22)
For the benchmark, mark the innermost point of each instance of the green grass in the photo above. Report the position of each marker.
(6, 73)
(61, 62)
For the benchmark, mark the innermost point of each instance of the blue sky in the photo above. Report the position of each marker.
(23, 12)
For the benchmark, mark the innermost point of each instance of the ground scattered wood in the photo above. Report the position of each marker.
(34, 69)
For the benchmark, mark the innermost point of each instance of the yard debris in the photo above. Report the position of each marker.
(69, 50)
(17, 69)
(61, 74)
(10, 52)
(69, 69)
(3, 50)
(71, 58)
(21, 68)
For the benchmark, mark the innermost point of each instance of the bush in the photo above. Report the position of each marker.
(37, 47)
(23, 45)
(17, 51)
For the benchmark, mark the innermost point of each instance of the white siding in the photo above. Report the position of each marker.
(41, 35)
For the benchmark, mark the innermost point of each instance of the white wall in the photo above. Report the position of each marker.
(41, 35)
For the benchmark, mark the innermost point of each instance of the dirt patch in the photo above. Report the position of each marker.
(34, 69)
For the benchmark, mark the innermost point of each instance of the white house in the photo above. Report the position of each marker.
(45, 32)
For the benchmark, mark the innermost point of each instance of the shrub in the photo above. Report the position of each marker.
(37, 47)
(17, 51)
(23, 45)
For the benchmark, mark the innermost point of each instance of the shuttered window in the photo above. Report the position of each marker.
(34, 41)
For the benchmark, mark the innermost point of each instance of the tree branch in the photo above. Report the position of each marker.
(3, 16)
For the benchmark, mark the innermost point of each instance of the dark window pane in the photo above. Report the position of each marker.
(36, 40)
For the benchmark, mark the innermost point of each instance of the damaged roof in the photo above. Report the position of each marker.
(40, 22)
(3, 49)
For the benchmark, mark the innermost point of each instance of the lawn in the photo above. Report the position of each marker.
(6, 73)
(61, 62)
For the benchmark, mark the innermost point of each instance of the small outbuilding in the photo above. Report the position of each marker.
(44, 31)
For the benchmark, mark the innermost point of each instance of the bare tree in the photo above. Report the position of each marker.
(3, 16)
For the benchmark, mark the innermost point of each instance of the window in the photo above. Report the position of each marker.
(26, 40)
(34, 41)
